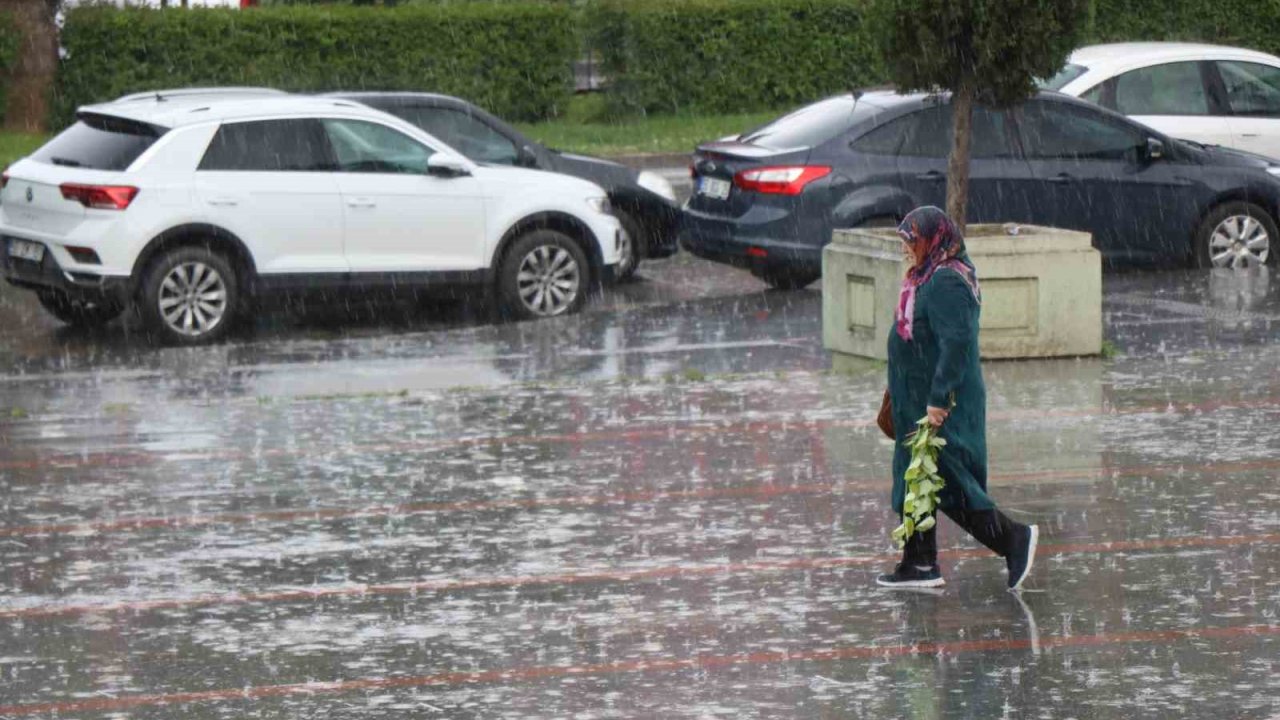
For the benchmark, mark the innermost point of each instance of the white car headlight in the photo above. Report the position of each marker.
(656, 184)
(1274, 170)
(600, 204)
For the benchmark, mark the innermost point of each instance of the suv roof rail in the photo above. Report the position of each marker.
(186, 93)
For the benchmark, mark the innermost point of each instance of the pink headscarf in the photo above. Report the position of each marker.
(944, 248)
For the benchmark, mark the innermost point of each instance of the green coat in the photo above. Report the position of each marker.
(942, 359)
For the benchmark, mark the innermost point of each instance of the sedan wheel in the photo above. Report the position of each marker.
(1236, 235)
(1239, 241)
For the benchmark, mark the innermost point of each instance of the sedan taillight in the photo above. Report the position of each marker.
(103, 197)
(781, 180)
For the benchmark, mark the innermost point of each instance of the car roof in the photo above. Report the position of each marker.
(194, 109)
(391, 95)
(1102, 57)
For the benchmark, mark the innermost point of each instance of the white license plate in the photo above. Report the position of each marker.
(713, 187)
(25, 250)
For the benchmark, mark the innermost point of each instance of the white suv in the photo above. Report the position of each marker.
(190, 206)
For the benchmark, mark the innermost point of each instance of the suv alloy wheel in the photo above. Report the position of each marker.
(544, 274)
(189, 295)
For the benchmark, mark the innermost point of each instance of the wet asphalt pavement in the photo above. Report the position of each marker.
(666, 507)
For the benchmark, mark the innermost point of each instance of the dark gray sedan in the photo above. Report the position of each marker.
(769, 199)
(643, 201)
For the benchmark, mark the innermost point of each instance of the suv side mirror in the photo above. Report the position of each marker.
(1155, 149)
(442, 165)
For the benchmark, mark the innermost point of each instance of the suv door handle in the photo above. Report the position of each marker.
(1062, 179)
(932, 175)
(224, 201)
(361, 203)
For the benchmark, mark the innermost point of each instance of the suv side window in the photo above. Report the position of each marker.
(268, 146)
(928, 134)
(1253, 90)
(465, 133)
(1053, 130)
(368, 147)
(1170, 89)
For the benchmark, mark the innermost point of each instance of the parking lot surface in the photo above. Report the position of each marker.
(665, 507)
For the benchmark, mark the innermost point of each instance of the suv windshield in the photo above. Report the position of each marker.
(99, 142)
(811, 126)
(1068, 73)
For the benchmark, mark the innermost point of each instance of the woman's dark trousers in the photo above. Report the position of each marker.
(989, 527)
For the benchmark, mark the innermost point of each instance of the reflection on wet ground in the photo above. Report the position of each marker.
(665, 507)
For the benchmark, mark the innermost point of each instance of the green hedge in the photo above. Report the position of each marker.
(514, 59)
(9, 42)
(1253, 24)
(731, 55)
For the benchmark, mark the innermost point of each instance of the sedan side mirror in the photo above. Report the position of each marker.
(442, 165)
(527, 157)
(1155, 149)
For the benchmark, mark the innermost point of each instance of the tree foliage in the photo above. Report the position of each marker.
(986, 51)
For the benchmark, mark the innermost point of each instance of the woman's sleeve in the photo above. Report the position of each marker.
(953, 317)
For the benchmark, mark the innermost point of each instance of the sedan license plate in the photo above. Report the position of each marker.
(714, 187)
(26, 250)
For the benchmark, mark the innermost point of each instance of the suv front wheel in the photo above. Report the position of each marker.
(543, 274)
(189, 295)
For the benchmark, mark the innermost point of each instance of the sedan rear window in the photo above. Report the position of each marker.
(1068, 73)
(99, 142)
(812, 125)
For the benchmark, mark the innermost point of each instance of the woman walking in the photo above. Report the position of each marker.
(934, 370)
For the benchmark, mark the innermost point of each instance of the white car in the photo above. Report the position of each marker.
(189, 207)
(1207, 93)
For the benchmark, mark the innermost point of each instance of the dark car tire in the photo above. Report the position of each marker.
(629, 259)
(785, 278)
(1216, 224)
(78, 312)
(546, 261)
(202, 316)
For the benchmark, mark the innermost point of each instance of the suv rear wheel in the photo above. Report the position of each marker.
(189, 295)
(544, 274)
(78, 312)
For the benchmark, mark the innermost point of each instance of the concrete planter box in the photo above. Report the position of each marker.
(1041, 291)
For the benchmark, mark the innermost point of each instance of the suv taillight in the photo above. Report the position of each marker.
(104, 197)
(4, 179)
(781, 180)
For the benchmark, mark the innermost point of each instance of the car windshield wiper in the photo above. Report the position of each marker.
(67, 162)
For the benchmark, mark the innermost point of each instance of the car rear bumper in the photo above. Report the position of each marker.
(776, 244)
(49, 275)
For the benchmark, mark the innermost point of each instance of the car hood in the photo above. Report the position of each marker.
(1221, 155)
(606, 173)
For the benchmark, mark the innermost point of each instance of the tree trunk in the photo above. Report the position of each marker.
(29, 83)
(958, 162)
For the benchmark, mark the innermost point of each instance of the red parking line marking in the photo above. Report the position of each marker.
(132, 459)
(757, 490)
(655, 665)
(605, 576)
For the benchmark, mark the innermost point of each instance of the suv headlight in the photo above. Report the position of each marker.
(600, 205)
(656, 184)
(1274, 170)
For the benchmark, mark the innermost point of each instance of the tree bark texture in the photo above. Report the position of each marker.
(29, 83)
(958, 162)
